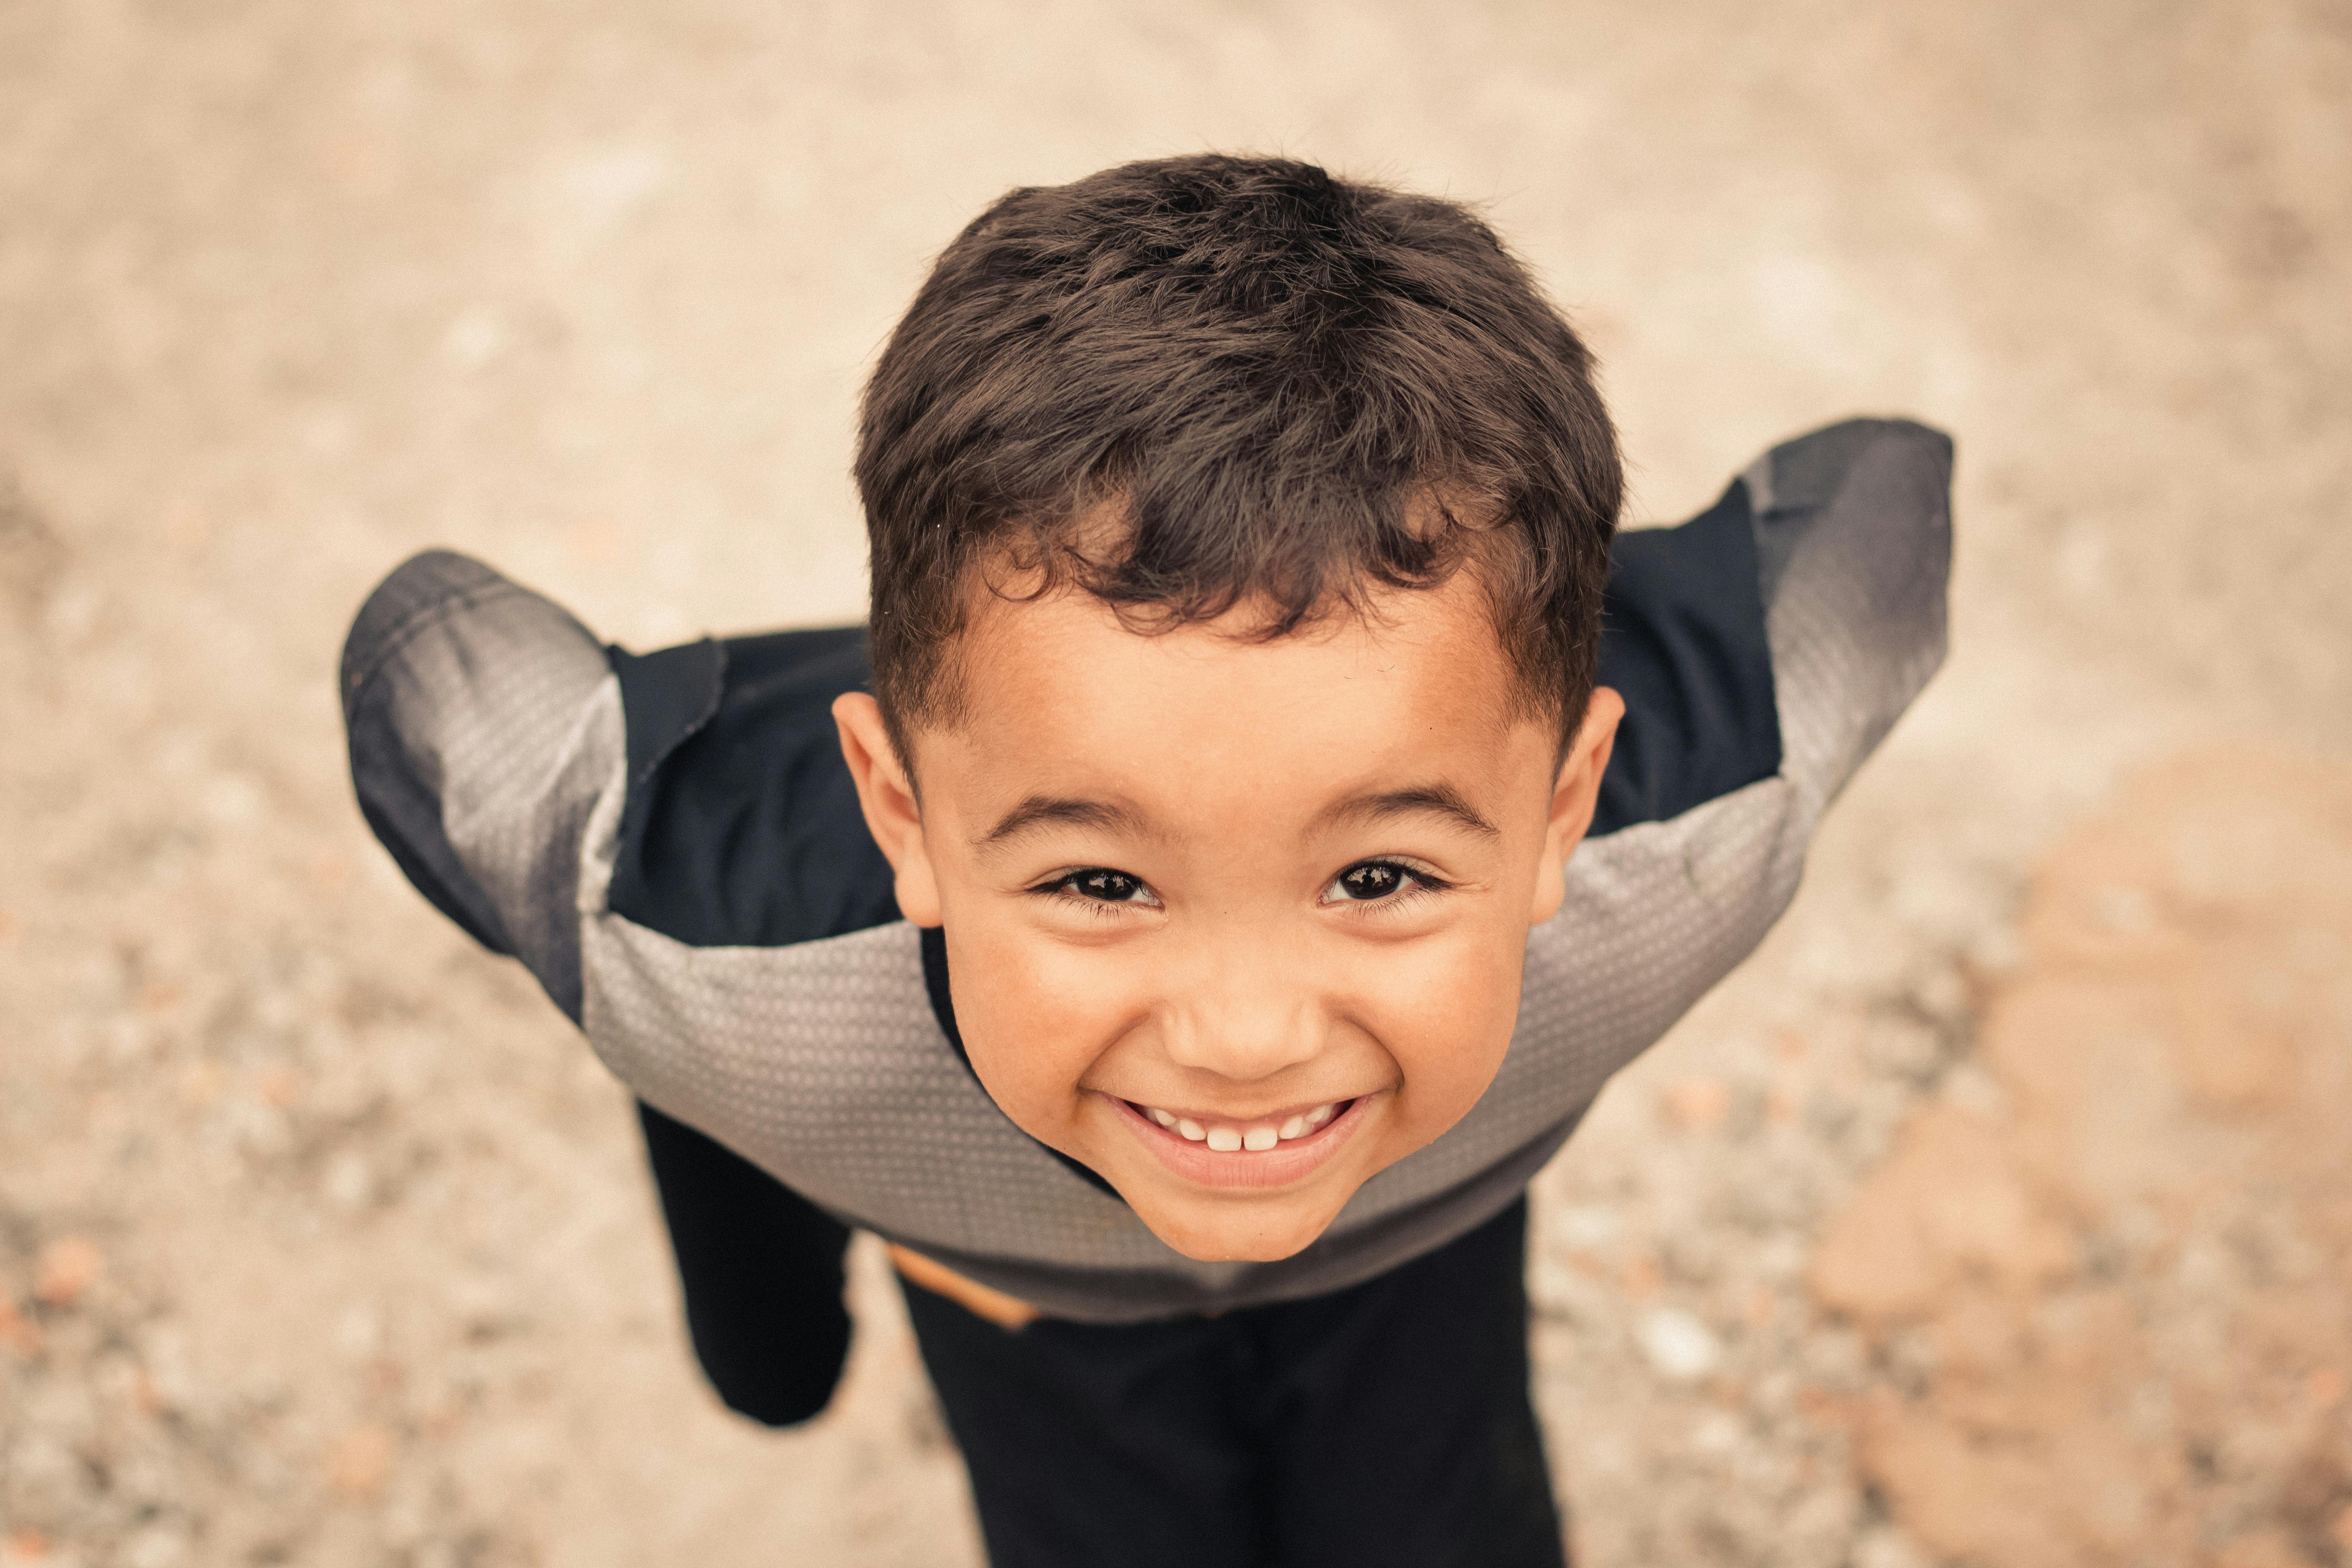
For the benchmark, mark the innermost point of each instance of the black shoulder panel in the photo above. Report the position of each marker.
(741, 827)
(1683, 641)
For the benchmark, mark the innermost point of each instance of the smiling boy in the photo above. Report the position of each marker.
(1242, 920)
(1223, 871)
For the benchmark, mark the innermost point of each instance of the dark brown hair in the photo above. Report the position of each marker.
(1283, 387)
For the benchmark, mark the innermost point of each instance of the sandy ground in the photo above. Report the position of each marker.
(1996, 1213)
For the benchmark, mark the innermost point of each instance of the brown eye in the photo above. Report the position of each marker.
(1370, 879)
(1105, 887)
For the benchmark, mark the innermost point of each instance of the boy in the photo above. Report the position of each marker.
(1240, 864)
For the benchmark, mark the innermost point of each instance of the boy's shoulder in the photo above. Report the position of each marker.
(1705, 624)
(741, 827)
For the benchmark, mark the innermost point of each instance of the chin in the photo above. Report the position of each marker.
(1239, 1233)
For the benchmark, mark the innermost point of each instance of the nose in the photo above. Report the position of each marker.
(1244, 1008)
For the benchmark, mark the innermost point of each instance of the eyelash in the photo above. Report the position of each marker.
(1419, 885)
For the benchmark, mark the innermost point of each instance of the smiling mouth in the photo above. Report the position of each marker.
(1226, 1137)
(1269, 1152)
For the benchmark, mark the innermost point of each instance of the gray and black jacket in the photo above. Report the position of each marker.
(672, 844)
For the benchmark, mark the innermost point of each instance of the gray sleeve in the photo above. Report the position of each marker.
(483, 724)
(1853, 537)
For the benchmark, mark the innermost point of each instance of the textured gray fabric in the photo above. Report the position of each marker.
(470, 703)
(822, 1063)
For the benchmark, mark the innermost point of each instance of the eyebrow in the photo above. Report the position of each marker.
(1424, 800)
(1071, 811)
(1048, 810)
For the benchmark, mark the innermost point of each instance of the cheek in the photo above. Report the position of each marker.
(1445, 1016)
(1033, 1018)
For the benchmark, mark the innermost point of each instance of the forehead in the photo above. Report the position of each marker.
(1061, 692)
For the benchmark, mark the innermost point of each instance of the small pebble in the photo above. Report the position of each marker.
(1678, 1343)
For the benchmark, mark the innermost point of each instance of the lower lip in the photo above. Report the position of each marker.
(1290, 1161)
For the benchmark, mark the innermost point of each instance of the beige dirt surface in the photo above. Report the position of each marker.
(1998, 1212)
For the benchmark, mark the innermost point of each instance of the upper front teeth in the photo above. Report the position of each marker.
(1227, 1140)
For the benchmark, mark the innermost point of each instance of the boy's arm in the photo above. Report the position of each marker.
(484, 724)
(1854, 541)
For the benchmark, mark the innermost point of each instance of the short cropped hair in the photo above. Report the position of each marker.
(1283, 387)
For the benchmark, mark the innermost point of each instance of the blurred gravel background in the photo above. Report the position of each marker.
(1999, 1212)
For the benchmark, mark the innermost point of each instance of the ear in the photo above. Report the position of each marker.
(887, 796)
(1574, 794)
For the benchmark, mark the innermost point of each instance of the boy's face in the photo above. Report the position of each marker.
(1236, 924)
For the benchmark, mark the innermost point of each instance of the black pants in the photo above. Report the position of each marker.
(1388, 1423)
(760, 1266)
